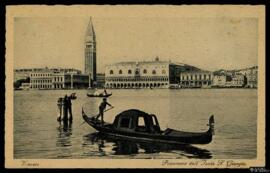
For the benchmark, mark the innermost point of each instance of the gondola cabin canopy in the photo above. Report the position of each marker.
(136, 120)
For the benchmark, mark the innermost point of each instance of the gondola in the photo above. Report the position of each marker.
(138, 125)
(100, 95)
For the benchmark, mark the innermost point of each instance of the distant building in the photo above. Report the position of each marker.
(196, 79)
(58, 79)
(229, 81)
(238, 80)
(69, 81)
(100, 80)
(90, 52)
(251, 75)
(219, 80)
(252, 79)
(144, 74)
(25, 72)
(41, 79)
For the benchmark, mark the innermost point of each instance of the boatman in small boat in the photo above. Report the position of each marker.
(102, 107)
(105, 92)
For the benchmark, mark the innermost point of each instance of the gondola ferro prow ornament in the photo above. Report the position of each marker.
(212, 124)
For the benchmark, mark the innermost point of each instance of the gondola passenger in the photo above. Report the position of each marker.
(96, 93)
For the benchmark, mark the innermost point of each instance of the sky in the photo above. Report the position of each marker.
(207, 43)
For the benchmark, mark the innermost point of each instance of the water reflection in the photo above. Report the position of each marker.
(125, 148)
(64, 134)
(130, 147)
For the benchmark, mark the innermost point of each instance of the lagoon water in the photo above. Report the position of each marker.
(37, 134)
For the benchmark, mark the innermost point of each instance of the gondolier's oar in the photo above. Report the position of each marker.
(104, 111)
(96, 115)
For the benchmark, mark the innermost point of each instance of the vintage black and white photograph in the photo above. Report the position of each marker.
(135, 86)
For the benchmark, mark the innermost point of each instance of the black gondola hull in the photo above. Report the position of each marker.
(173, 137)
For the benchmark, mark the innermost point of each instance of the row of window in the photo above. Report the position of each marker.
(137, 72)
(199, 83)
(24, 70)
(195, 77)
(41, 81)
(41, 86)
(58, 86)
(57, 79)
(139, 79)
(40, 74)
(136, 84)
(47, 86)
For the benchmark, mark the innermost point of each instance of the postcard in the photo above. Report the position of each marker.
(135, 86)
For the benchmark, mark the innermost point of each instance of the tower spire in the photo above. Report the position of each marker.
(90, 29)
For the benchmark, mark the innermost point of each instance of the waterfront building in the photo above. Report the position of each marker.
(220, 80)
(196, 79)
(238, 80)
(90, 52)
(251, 75)
(41, 79)
(144, 74)
(252, 79)
(58, 81)
(229, 81)
(25, 72)
(58, 78)
(100, 80)
(69, 81)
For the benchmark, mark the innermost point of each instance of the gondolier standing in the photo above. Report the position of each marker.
(102, 107)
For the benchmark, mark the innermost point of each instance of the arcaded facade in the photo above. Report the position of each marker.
(144, 74)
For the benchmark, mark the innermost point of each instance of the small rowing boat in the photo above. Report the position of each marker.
(99, 95)
(138, 125)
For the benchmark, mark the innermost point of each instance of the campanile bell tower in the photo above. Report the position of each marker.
(90, 52)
